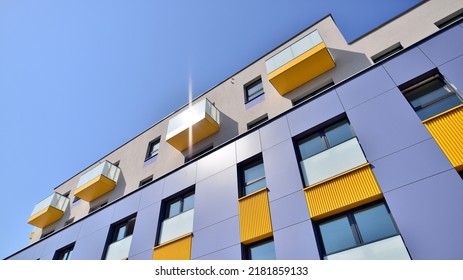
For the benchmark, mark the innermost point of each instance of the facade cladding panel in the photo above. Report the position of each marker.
(420, 187)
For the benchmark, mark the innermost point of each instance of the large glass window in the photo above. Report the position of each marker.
(64, 253)
(431, 97)
(355, 228)
(123, 230)
(263, 250)
(254, 90)
(120, 239)
(325, 139)
(252, 177)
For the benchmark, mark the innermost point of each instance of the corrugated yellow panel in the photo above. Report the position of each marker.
(255, 221)
(95, 188)
(177, 249)
(45, 217)
(302, 69)
(346, 191)
(447, 130)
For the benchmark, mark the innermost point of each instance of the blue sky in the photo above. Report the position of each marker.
(79, 78)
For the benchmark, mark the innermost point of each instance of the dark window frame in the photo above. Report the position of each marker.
(181, 197)
(145, 181)
(246, 249)
(388, 52)
(248, 86)
(354, 227)
(257, 122)
(112, 234)
(150, 153)
(64, 253)
(242, 167)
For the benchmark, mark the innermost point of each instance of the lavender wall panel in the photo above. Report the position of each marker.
(69, 234)
(91, 246)
(315, 112)
(145, 255)
(248, 146)
(216, 237)
(282, 170)
(50, 245)
(126, 206)
(445, 46)
(364, 87)
(180, 180)
(408, 65)
(452, 72)
(428, 214)
(216, 162)
(27, 254)
(144, 233)
(410, 165)
(151, 194)
(216, 199)
(289, 210)
(97, 221)
(274, 133)
(230, 253)
(296, 242)
(386, 124)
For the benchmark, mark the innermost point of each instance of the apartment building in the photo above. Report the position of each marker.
(320, 149)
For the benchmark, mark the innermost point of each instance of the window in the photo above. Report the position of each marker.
(448, 20)
(263, 250)
(355, 228)
(314, 93)
(252, 177)
(431, 97)
(119, 239)
(146, 181)
(325, 139)
(387, 53)
(68, 222)
(96, 207)
(257, 121)
(64, 253)
(254, 90)
(180, 204)
(153, 149)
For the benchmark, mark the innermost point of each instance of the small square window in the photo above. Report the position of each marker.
(262, 250)
(254, 90)
(257, 121)
(432, 97)
(153, 149)
(146, 181)
(96, 207)
(68, 222)
(64, 253)
(252, 176)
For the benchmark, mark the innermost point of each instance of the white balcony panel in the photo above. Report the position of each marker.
(55, 200)
(293, 51)
(106, 169)
(392, 248)
(119, 250)
(176, 226)
(333, 161)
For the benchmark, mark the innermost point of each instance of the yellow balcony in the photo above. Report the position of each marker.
(447, 129)
(299, 63)
(193, 125)
(98, 181)
(343, 192)
(48, 211)
(255, 221)
(177, 249)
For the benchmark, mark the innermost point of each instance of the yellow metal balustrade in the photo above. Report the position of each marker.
(48, 210)
(97, 182)
(177, 249)
(447, 129)
(255, 221)
(299, 63)
(342, 192)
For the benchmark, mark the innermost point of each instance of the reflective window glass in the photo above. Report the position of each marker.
(253, 177)
(337, 235)
(374, 223)
(188, 202)
(254, 90)
(311, 146)
(174, 208)
(338, 133)
(262, 251)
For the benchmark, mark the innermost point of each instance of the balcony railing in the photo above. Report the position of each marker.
(176, 226)
(49, 210)
(119, 250)
(392, 248)
(299, 63)
(193, 125)
(332, 162)
(98, 181)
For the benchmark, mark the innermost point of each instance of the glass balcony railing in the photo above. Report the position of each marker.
(176, 226)
(49, 210)
(299, 63)
(119, 250)
(332, 162)
(193, 125)
(392, 248)
(98, 181)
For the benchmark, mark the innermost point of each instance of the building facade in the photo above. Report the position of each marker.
(321, 149)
